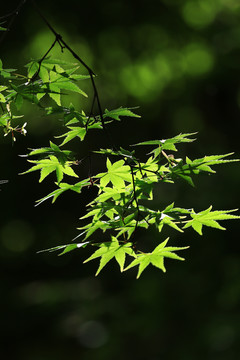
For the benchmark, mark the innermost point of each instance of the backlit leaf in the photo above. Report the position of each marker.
(110, 250)
(47, 166)
(115, 114)
(156, 257)
(209, 218)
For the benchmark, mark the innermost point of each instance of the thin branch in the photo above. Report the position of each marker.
(61, 39)
(75, 55)
(136, 200)
(13, 16)
(91, 73)
(41, 60)
(91, 111)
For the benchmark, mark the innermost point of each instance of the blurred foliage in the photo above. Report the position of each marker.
(178, 60)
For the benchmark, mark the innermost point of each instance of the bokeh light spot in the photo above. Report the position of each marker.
(198, 59)
(92, 334)
(17, 236)
(199, 14)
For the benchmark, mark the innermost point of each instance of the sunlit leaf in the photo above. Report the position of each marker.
(156, 257)
(209, 218)
(47, 166)
(169, 144)
(115, 114)
(62, 187)
(117, 173)
(110, 250)
(66, 248)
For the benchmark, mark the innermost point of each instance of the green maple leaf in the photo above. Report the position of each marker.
(65, 248)
(110, 250)
(167, 220)
(55, 78)
(203, 164)
(62, 188)
(109, 193)
(60, 79)
(117, 174)
(209, 218)
(96, 224)
(195, 167)
(47, 166)
(114, 114)
(169, 144)
(156, 257)
(62, 155)
(77, 131)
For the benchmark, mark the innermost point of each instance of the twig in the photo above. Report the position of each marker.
(75, 55)
(13, 15)
(91, 111)
(136, 200)
(41, 60)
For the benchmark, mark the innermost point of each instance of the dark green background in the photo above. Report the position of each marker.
(180, 62)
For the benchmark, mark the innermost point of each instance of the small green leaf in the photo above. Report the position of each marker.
(68, 85)
(169, 144)
(61, 155)
(55, 94)
(44, 74)
(66, 248)
(2, 88)
(209, 218)
(62, 188)
(110, 250)
(2, 98)
(19, 101)
(117, 174)
(167, 220)
(79, 132)
(47, 166)
(115, 114)
(156, 257)
(33, 68)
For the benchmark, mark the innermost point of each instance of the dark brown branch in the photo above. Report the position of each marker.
(91, 73)
(12, 15)
(135, 199)
(75, 55)
(91, 111)
(41, 60)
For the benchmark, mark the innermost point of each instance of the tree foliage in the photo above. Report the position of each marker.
(126, 187)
